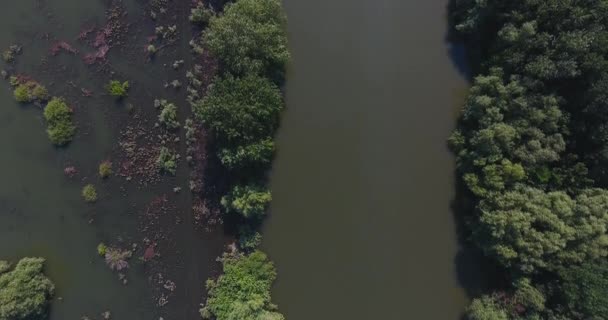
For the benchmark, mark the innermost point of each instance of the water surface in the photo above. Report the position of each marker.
(361, 226)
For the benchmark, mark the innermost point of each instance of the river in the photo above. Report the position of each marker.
(361, 225)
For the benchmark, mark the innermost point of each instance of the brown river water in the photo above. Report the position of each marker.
(361, 225)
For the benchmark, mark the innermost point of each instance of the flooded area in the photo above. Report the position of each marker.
(41, 209)
(361, 224)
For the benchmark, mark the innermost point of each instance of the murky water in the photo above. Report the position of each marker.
(41, 211)
(361, 225)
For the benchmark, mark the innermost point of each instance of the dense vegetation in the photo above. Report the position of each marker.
(243, 291)
(241, 109)
(249, 37)
(24, 291)
(531, 150)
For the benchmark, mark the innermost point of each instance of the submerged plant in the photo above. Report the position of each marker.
(102, 249)
(116, 259)
(89, 193)
(117, 89)
(105, 169)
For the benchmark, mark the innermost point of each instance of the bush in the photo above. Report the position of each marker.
(89, 193)
(29, 92)
(249, 201)
(117, 89)
(25, 291)
(105, 169)
(59, 119)
(168, 115)
(249, 37)
(243, 291)
(200, 14)
(486, 308)
(249, 239)
(167, 161)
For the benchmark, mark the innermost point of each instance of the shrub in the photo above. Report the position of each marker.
(166, 161)
(30, 91)
(249, 201)
(249, 239)
(24, 291)
(105, 169)
(89, 193)
(59, 119)
(168, 115)
(200, 14)
(243, 291)
(117, 89)
(22, 94)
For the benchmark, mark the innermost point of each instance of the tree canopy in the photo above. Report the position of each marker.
(242, 292)
(249, 37)
(532, 149)
(24, 291)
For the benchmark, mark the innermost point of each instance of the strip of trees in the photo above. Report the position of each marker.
(242, 111)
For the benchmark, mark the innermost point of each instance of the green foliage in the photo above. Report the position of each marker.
(25, 291)
(249, 37)
(168, 115)
(256, 153)
(58, 116)
(166, 161)
(243, 290)
(529, 229)
(30, 91)
(243, 113)
(249, 201)
(506, 131)
(89, 193)
(249, 239)
(486, 308)
(102, 249)
(532, 147)
(118, 89)
(105, 169)
(586, 289)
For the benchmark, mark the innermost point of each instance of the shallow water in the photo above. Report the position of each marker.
(361, 225)
(41, 210)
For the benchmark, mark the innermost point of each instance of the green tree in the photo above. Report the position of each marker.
(24, 291)
(528, 229)
(486, 308)
(585, 289)
(506, 130)
(243, 290)
(250, 201)
(249, 37)
(58, 116)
